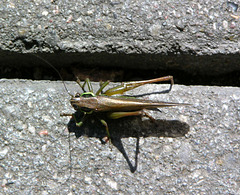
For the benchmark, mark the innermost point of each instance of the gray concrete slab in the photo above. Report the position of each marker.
(194, 36)
(190, 150)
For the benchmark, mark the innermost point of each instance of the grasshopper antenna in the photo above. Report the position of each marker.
(70, 154)
(56, 71)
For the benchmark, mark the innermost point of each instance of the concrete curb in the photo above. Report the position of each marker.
(204, 159)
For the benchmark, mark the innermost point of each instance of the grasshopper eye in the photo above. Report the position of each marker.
(85, 109)
(77, 95)
(75, 106)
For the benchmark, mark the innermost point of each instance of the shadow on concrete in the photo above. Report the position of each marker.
(125, 128)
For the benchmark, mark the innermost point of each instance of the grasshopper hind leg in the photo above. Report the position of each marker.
(146, 114)
(117, 115)
(120, 89)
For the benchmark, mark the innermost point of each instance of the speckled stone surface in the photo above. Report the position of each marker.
(195, 36)
(190, 150)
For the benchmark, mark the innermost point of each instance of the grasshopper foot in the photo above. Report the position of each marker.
(79, 124)
(107, 139)
(66, 114)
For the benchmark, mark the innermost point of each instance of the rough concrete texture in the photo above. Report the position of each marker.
(197, 151)
(195, 36)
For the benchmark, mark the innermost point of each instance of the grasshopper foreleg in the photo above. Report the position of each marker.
(102, 86)
(79, 124)
(81, 85)
(87, 81)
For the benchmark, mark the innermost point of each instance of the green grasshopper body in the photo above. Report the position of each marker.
(115, 107)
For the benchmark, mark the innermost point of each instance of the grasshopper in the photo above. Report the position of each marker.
(113, 106)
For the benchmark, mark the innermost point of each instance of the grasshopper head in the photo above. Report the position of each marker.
(85, 102)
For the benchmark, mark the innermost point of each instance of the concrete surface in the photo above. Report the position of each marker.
(188, 150)
(197, 151)
(194, 36)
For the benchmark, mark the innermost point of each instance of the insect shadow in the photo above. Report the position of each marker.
(126, 127)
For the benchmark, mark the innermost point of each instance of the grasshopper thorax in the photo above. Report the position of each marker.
(87, 94)
(84, 102)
